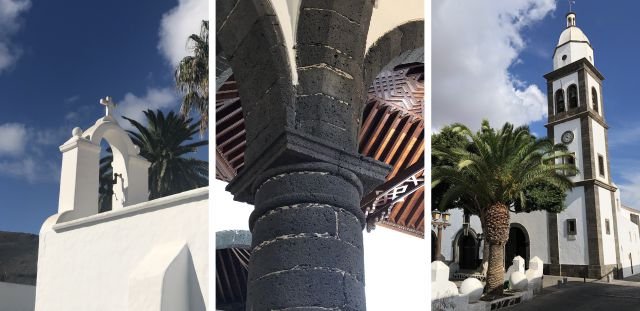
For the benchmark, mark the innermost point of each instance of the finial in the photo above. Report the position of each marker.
(109, 104)
(76, 132)
(571, 3)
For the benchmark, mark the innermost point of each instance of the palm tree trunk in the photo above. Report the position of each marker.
(497, 234)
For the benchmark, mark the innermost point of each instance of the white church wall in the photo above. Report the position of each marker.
(538, 231)
(599, 148)
(93, 263)
(449, 234)
(628, 237)
(606, 214)
(575, 145)
(574, 52)
(573, 248)
(17, 297)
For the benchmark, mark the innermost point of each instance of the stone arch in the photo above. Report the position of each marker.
(518, 244)
(250, 40)
(400, 41)
(457, 249)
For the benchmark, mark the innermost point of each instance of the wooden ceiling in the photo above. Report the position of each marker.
(392, 132)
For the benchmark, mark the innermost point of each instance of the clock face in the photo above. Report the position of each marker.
(567, 137)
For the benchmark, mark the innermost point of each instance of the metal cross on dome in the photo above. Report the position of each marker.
(110, 106)
(571, 2)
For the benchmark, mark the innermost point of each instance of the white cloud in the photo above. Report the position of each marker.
(624, 135)
(133, 106)
(474, 45)
(25, 152)
(177, 25)
(10, 13)
(13, 138)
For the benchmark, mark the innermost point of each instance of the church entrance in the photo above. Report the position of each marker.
(517, 245)
(468, 252)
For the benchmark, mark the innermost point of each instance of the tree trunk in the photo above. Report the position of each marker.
(497, 234)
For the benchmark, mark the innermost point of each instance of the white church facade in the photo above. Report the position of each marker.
(595, 235)
(140, 255)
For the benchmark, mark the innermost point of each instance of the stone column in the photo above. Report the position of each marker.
(307, 249)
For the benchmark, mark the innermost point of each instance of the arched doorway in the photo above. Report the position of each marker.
(468, 252)
(517, 245)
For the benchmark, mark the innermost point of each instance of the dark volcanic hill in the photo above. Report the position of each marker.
(18, 257)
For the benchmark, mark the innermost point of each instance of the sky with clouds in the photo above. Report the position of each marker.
(56, 62)
(489, 58)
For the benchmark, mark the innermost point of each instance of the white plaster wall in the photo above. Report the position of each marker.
(389, 14)
(592, 82)
(227, 213)
(629, 240)
(574, 51)
(608, 240)
(535, 223)
(17, 297)
(385, 248)
(87, 264)
(564, 83)
(599, 148)
(573, 249)
(574, 146)
(449, 234)
(538, 230)
(287, 12)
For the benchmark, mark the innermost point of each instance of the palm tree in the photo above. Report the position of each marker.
(162, 142)
(192, 77)
(493, 174)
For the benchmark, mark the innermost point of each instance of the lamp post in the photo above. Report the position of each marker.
(439, 220)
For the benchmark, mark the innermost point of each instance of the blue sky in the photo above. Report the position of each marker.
(490, 58)
(56, 62)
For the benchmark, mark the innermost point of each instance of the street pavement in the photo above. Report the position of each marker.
(618, 295)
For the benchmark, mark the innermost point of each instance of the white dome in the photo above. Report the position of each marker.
(572, 33)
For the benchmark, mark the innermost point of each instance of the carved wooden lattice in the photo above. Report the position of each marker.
(402, 89)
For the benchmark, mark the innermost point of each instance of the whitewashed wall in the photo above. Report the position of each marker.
(17, 297)
(599, 148)
(137, 258)
(628, 237)
(538, 230)
(608, 240)
(535, 223)
(574, 146)
(573, 249)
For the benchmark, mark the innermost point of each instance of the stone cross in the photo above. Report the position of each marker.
(109, 105)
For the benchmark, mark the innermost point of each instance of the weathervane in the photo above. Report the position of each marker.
(109, 105)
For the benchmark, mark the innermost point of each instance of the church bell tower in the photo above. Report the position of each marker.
(583, 238)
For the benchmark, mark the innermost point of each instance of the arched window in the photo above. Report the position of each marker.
(559, 101)
(572, 96)
(594, 98)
